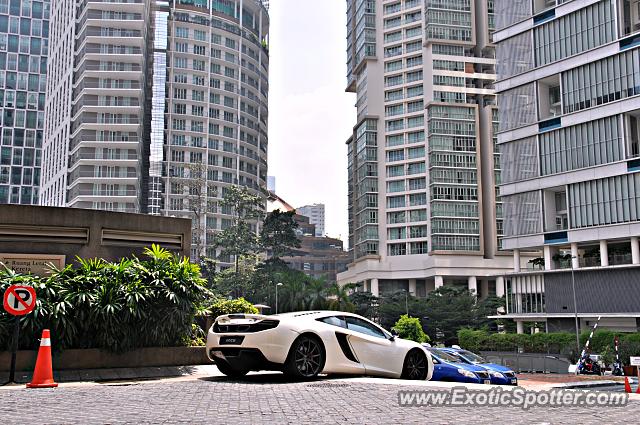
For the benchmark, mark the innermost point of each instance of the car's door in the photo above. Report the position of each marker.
(348, 362)
(375, 350)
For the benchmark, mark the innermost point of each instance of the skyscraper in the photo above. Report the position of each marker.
(24, 34)
(157, 107)
(423, 210)
(568, 84)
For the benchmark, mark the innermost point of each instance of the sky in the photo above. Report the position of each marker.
(310, 114)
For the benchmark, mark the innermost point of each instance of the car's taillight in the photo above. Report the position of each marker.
(262, 325)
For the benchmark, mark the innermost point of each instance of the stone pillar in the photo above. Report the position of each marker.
(500, 290)
(519, 327)
(374, 287)
(604, 253)
(412, 287)
(549, 251)
(575, 263)
(635, 250)
(516, 260)
(439, 281)
(472, 285)
(484, 288)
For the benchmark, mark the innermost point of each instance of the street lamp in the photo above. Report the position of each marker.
(277, 284)
(406, 301)
(575, 304)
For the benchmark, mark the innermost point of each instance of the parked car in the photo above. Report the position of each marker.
(500, 375)
(447, 367)
(305, 344)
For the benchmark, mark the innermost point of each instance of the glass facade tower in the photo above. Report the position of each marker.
(24, 48)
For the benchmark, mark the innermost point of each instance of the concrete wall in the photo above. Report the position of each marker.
(71, 232)
(97, 359)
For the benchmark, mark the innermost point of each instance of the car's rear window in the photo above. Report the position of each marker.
(334, 320)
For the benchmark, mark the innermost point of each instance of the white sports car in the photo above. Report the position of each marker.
(304, 344)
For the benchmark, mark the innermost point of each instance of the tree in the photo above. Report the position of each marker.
(411, 329)
(291, 294)
(240, 239)
(365, 304)
(392, 306)
(339, 297)
(193, 184)
(450, 309)
(278, 233)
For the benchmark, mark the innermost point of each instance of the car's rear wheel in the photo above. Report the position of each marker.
(306, 358)
(230, 371)
(416, 366)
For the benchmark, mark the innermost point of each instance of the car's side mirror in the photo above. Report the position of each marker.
(394, 334)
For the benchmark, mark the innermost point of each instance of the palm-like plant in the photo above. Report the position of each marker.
(316, 291)
(339, 297)
(116, 306)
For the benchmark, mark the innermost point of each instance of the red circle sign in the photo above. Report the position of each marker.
(19, 300)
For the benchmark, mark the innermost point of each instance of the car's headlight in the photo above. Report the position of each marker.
(466, 373)
(496, 374)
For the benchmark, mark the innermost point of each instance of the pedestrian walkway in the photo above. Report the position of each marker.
(118, 374)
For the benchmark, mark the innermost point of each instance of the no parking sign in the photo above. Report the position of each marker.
(19, 300)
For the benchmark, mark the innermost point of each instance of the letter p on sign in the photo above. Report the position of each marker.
(19, 300)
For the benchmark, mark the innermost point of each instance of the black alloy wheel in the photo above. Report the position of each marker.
(416, 366)
(306, 358)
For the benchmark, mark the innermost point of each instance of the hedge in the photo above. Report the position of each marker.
(114, 306)
(555, 343)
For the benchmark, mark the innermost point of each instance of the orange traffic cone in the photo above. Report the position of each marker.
(43, 374)
(627, 387)
(638, 389)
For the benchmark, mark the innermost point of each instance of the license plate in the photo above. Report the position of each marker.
(231, 340)
(487, 381)
(514, 381)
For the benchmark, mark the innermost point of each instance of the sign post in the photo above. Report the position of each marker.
(635, 361)
(18, 300)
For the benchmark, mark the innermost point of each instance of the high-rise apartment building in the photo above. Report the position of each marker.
(315, 212)
(24, 47)
(569, 97)
(423, 210)
(156, 106)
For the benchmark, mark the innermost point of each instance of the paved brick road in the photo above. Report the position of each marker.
(268, 399)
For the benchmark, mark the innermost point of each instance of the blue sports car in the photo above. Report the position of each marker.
(450, 368)
(500, 375)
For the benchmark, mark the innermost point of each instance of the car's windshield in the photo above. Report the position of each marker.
(444, 356)
(472, 357)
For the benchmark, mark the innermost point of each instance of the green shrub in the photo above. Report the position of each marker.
(411, 329)
(481, 340)
(223, 306)
(114, 306)
(473, 340)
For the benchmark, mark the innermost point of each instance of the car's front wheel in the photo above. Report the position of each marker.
(416, 366)
(230, 371)
(306, 358)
